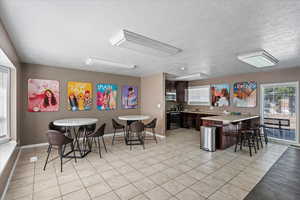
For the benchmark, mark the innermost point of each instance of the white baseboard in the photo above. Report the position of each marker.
(105, 135)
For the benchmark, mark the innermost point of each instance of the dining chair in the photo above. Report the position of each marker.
(56, 138)
(61, 129)
(137, 129)
(95, 137)
(151, 125)
(117, 126)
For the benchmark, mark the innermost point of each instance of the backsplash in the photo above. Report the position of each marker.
(252, 111)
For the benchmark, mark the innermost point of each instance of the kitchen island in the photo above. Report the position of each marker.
(228, 123)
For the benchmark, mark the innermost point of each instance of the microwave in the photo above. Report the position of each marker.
(170, 96)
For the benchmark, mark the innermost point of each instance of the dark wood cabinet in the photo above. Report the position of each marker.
(192, 120)
(178, 87)
(181, 93)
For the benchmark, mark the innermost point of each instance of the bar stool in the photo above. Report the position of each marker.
(245, 137)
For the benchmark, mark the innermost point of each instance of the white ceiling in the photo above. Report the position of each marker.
(211, 33)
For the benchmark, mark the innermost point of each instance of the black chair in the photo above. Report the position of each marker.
(151, 125)
(117, 126)
(136, 136)
(61, 129)
(95, 137)
(56, 138)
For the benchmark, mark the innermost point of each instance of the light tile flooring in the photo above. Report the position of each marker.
(174, 169)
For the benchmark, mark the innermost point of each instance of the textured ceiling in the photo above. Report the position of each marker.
(211, 33)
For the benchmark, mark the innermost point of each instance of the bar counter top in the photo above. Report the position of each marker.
(228, 119)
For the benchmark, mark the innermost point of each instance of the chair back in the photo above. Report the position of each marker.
(90, 128)
(152, 124)
(137, 127)
(100, 132)
(57, 138)
(115, 124)
(51, 126)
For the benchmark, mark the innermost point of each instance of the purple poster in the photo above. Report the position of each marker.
(129, 97)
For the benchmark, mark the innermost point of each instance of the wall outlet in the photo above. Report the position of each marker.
(33, 159)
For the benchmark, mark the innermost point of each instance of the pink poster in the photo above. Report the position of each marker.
(43, 95)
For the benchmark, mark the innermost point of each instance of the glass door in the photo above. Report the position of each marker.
(279, 110)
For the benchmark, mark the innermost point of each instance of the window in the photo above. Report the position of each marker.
(199, 95)
(279, 110)
(4, 107)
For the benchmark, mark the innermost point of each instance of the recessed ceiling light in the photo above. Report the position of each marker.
(192, 76)
(143, 44)
(259, 59)
(182, 68)
(97, 61)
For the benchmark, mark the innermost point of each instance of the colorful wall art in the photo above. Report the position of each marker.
(106, 96)
(244, 94)
(79, 96)
(43, 95)
(129, 97)
(220, 95)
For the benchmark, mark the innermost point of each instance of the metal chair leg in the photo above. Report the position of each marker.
(49, 151)
(249, 144)
(99, 148)
(237, 142)
(104, 144)
(72, 149)
(154, 135)
(61, 157)
(113, 139)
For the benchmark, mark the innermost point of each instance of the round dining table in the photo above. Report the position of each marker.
(129, 119)
(71, 124)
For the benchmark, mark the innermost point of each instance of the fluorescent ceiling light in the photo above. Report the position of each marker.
(92, 61)
(142, 44)
(259, 59)
(192, 76)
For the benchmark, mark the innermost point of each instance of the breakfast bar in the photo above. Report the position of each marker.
(225, 124)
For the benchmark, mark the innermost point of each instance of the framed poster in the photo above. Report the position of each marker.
(220, 95)
(107, 96)
(79, 96)
(244, 94)
(129, 97)
(43, 95)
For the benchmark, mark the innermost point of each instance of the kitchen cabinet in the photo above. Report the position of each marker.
(179, 88)
(181, 93)
(192, 120)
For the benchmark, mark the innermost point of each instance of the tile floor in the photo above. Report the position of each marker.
(174, 169)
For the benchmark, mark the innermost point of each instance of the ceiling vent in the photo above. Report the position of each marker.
(258, 59)
(142, 44)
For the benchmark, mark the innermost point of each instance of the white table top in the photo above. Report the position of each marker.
(75, 122)
(134, 117)
(227, 119)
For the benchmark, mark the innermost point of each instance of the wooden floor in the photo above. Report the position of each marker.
(282, 182)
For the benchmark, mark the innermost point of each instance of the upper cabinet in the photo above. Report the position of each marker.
(176, 91)
(181, 91)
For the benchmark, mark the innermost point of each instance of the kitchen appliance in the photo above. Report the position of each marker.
(170, 96)
(208, 138)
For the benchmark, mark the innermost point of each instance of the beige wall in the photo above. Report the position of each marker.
(34, 125)
(7, 47)
(275, 76)
(152, 95)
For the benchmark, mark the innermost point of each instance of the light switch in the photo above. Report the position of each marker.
(158, 105)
